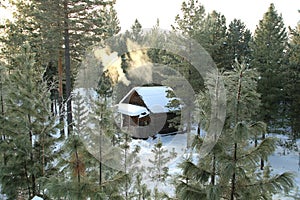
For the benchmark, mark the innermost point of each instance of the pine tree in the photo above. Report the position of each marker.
(31, 132)
(292, 84)
(103, 116)
(209, 30)
(136, 30)
(101, 139)
(78, 174)
(190, 24)
(237, 45)
(242, 164)
(158, 169)
(200, 179)
(269, 45)
(130, 162)
(213, 37)
(16, 33)
(62, 30)
(268, 52)
(75, 16)
(192, 19)
(159, 195)
(142, 192)
(236, 161)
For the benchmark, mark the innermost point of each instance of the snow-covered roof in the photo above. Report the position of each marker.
(37, 198)
(155, 98)
(132, 110)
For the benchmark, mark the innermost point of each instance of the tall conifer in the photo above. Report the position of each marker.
(31, 134)
(233, 162)
(268, 52)
(269, 47)
(292, 83)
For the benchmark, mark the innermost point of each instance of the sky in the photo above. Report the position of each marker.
(249, 11)
(148, 11)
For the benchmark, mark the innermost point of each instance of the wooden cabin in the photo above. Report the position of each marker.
(148, 110)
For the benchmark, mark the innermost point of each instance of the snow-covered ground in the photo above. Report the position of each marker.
(2, 196)
(282, 160)
(285, 159)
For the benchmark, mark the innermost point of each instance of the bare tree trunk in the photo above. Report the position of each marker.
(233, 180)
(68, 68)
(213, 176)
(125, 165)
(262, 162)
(100, 158)
(33, 179)
(2, 114)
(60, 93)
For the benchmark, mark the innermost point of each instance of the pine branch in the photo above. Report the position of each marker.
(262, 151)
(189, 192)
(278, 183)
(194, 172)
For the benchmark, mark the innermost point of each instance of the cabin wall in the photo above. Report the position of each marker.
(162, 123)
(135, 121)
(134, 99)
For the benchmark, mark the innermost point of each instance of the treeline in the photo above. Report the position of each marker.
(42, 50)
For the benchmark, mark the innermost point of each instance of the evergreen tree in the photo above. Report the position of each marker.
(136, 35)
(269, 46)
(103, 120)
(101, 139)
(237, 46)
(200, 180)
(79, 172)
(158, 169)
(136, 30)
(142, 192)
(31, 130)
(130, 162)
(16, 33)
(268, 52)
(76, 18)
(213, 37)
(62, 30)
(235, 162)
(191, 24)
(209, 30)
(292, 84)
(192, 19)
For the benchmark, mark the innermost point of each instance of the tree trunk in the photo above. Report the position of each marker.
(262, 162)
(60, 93)
(188, 129)
(213, 176)
(68, 68)
(125, 164)
(199, 129)
(3, 138)
(100, 158)
(33, 184)
(233, 179)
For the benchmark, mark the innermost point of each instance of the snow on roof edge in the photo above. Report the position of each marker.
(154, 97)
(132, 110)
